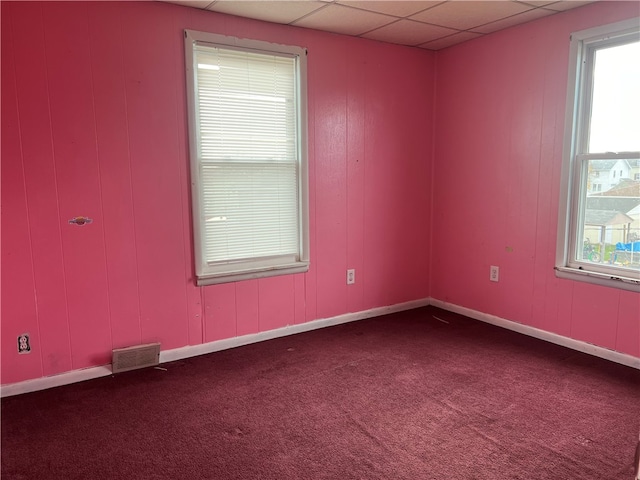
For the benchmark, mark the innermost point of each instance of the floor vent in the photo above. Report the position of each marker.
(132, 358)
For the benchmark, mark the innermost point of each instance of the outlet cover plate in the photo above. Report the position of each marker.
(24, 344)
(494, 273)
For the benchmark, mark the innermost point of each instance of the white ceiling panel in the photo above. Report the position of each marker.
(466, 15)
(524, 17)
(408, 32)
(395, 8)
(451, 40)
(566, 5)
(191, 3)
(534, 3)
(272, 11)
(346, 20)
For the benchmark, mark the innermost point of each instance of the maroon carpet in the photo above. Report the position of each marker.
(404, 396)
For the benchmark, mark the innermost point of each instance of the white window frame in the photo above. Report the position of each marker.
(251, 268)
(575, 158)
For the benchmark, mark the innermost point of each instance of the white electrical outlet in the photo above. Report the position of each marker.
(351, 276)
(494, 273)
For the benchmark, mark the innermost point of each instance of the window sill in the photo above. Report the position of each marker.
(605, 280)
(300, 267)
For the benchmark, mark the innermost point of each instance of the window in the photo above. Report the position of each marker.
(598, 226)
(247, 129)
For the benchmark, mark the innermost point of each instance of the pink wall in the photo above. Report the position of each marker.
(499, 126)
(94, 124)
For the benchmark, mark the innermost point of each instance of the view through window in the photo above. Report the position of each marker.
(610, 223)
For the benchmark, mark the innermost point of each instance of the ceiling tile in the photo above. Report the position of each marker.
(465, 15)
(395, 8)
(345, 20)
(535, 3)
(191, 3)
(271, 11)
(514, 20)
(566, 5)
(450, 40)
(407, 32)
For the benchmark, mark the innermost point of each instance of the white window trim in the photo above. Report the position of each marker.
(571, 181)
(264, 268)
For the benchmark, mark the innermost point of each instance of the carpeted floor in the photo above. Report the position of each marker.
(405, 396)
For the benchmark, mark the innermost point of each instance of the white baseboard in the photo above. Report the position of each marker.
(578, 345)
(195, 350)
(52, 381)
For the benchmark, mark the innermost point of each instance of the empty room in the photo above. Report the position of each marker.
(320, 239)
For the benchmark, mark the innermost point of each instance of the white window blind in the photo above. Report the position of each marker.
(248, 160)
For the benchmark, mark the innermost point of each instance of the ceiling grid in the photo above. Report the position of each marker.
(432, 25)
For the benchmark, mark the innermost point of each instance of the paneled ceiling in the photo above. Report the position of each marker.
(432, 25)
